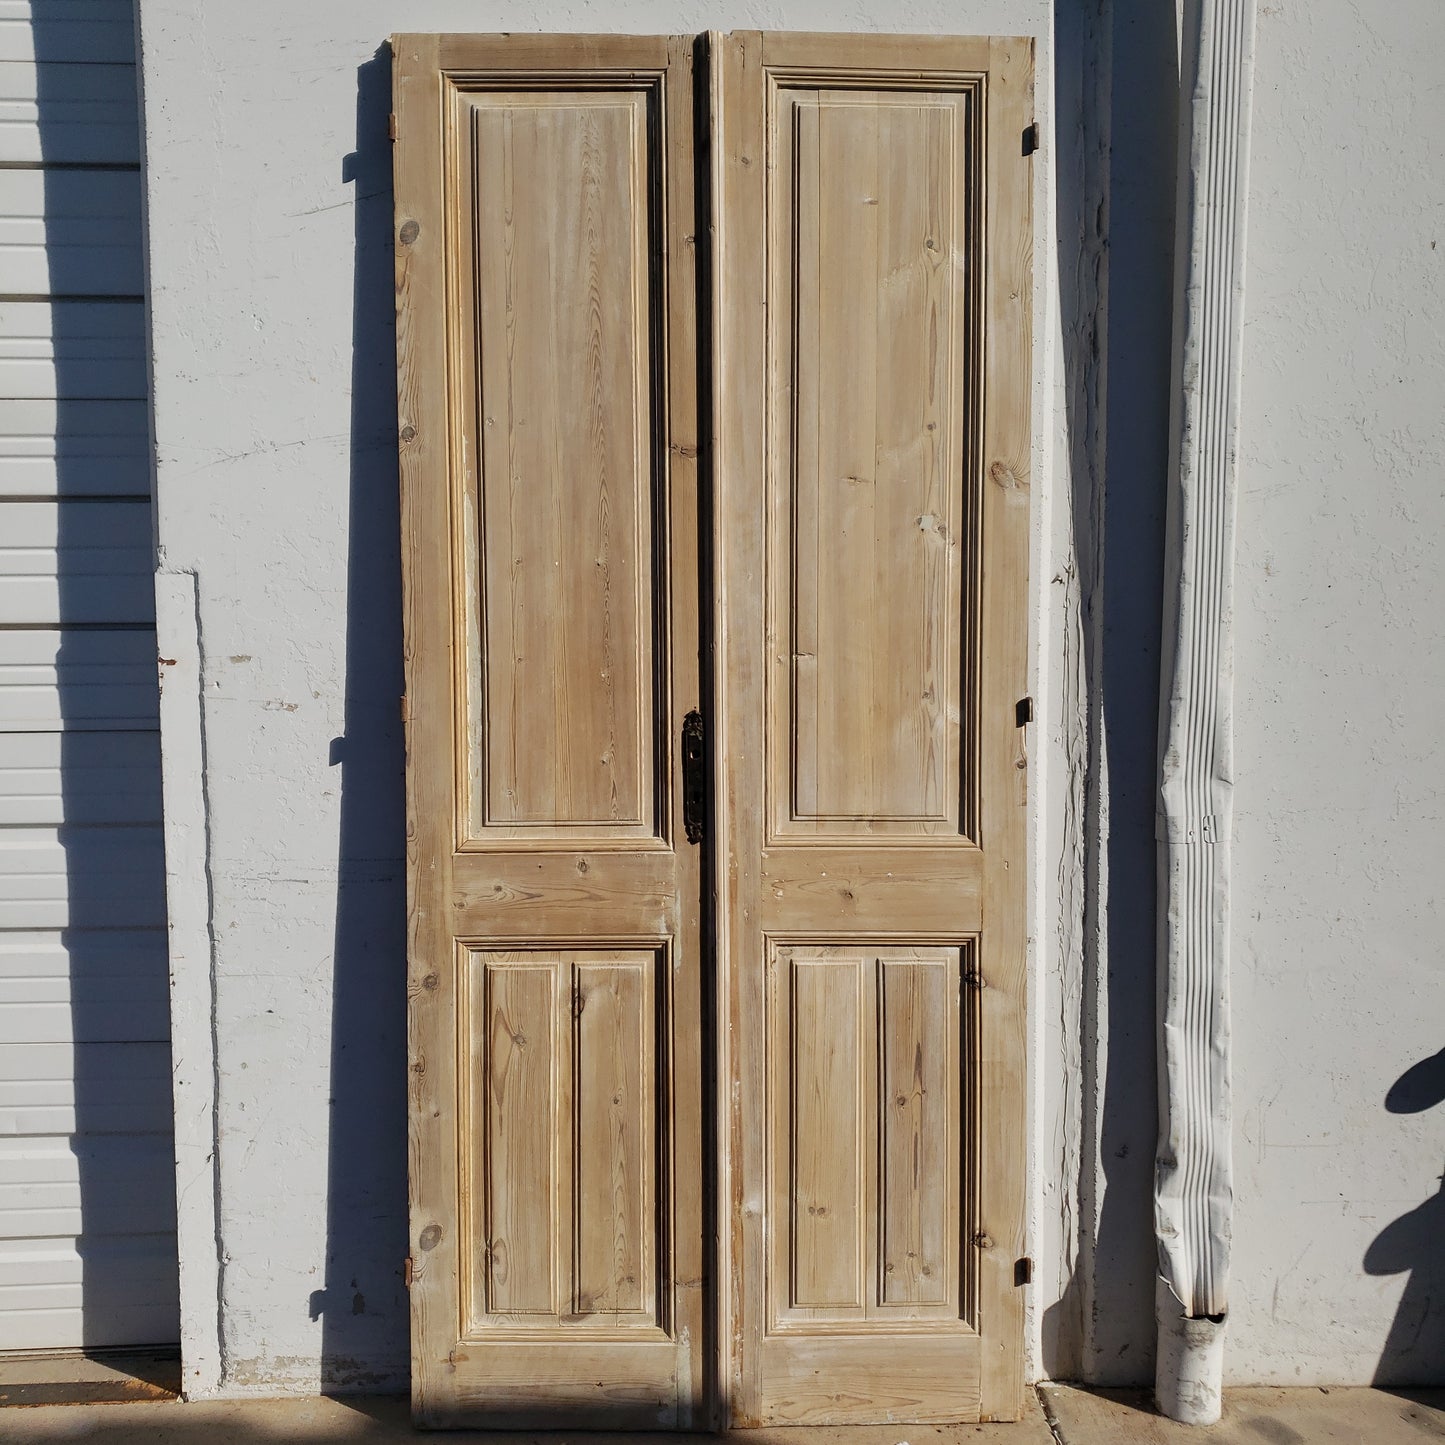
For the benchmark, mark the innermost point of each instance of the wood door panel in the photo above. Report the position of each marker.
(563, 1131)
(866, 1147)
(871, 395)
(558, 531)
(547, 358)
(867, 498)
(819, 1144)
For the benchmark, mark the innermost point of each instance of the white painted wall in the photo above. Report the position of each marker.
(1340, 827)
(270, 266)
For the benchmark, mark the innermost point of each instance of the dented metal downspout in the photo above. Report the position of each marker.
(1193, 1183)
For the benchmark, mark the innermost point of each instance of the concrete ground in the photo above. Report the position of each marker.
(1065, 1417)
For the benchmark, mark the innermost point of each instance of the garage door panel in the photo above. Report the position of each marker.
(76, 562)
(79, 777)
(100, 449)
(82, 878)
(87, 1170)
(75, 30)
(102, 1088)
(79, 680)
(72, 350)
(119, 1291)
(89, 113)
(71, 232)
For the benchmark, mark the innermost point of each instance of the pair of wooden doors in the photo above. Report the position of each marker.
(714, 419)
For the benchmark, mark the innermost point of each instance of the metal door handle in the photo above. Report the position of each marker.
(694, 784)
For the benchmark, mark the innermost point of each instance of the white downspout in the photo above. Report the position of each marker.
(1193, 1183)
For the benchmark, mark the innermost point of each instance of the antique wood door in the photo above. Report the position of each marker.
(548, 408)
(772, 1174)
(872, 417)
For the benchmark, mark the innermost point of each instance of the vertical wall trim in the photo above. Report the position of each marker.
(193, 1012)
(1194, 1188)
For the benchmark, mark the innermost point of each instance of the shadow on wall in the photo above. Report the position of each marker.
(363, 1306)
(1115, 174)
(93, 911)
(1414, 1244)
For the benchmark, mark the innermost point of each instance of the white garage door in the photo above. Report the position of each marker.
(87, 1207)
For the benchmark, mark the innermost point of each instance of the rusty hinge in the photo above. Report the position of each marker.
(407, 1273)
(405, 708)
(391, 125)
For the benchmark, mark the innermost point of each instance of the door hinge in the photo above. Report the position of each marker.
(391, 125)
(1023, 1271)
(1031, 138)
(407, 1272)
(694, 779)
(1023, 712)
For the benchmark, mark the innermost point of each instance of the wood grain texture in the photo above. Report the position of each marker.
(519, 1077)
(559, 1136)
(819, 1144)
(866, 1150)
(866, 497)
(870, 608)
(548, 424)
(1003, 678)
(561, 717)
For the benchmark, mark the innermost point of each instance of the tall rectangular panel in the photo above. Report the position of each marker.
(519, 1075)
(560, 1139)
(821, 1068)
(920, 1150)
(867, 1144)
(613, 1137)
(870, 500)
(561, 656)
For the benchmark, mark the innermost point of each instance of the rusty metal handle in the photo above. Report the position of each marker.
(694, 783)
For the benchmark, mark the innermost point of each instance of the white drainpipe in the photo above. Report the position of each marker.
(1193, 1183)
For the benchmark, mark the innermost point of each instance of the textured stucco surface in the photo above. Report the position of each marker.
(1339, 913)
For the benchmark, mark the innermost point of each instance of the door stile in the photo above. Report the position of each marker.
(1004, 774)
(736, 161)
(421, 230)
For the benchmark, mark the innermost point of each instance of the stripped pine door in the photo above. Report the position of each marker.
(867, 534)
(547, 364)
(872, 313)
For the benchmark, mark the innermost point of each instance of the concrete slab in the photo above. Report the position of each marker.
(380, 1421)
(70, 1378)
(1301, 1416)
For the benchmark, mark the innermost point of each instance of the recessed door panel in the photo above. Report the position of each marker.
(560, 462)
(869, 497)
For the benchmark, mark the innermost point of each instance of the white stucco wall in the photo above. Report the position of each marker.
(1339, 911)
(270, 270)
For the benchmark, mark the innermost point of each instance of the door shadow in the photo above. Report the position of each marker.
(1114, 171)
(363, 1304)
